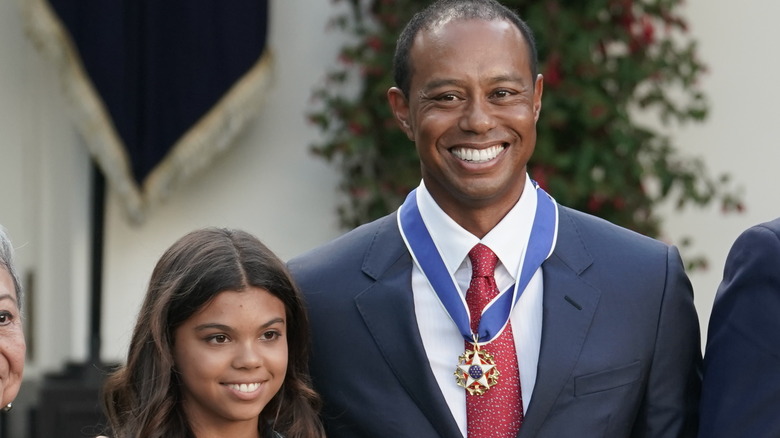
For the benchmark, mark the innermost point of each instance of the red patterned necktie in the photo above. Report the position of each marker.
(498, 413)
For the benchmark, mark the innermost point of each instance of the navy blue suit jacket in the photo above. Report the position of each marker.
(620, 352)
(741, 392)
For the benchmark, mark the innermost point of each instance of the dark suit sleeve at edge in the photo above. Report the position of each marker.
(674, 383)
(741, 392)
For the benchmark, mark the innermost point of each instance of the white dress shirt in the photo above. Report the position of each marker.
(442, 341)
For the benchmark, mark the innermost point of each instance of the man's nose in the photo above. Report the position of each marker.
(477, 116)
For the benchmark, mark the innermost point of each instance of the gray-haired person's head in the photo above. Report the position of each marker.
(7, 262)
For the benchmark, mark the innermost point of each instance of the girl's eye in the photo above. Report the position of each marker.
(270, 335)
(6, 317)
(218, 339)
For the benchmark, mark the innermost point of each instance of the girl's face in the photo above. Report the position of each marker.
(12, 346)
(231, 357)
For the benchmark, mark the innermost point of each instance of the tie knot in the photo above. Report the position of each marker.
(483, 261)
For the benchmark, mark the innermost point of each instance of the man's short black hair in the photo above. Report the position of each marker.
(448, 10)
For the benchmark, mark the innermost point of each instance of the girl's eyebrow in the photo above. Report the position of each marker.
(273, 321)
(223, 327)
(212, 325)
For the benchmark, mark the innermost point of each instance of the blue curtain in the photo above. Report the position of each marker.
(160, 65)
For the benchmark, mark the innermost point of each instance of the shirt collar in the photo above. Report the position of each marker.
(508, 239)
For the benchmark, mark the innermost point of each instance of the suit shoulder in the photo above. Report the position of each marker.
(766, 229)
(773, 225)
(592, 229)
(754, 253)
(346, 249)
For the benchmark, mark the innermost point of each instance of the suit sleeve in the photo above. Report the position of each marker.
(670, 408)
(741, 392)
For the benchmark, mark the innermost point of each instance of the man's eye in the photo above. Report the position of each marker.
(447, 97)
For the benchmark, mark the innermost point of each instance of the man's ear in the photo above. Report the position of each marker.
(400, 107)
(538, 88)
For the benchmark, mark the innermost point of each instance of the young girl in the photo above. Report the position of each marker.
(219, 349)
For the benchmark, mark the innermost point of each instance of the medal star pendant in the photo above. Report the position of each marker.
(476, 371)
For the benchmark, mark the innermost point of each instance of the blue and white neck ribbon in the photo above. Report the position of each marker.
(427, 257)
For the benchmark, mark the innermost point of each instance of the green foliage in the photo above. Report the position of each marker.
(604, 62)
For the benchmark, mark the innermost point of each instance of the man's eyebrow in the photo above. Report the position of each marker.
(507, 78)
(441, 82)
(435, 83)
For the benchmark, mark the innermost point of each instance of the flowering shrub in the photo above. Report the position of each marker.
(604, 62)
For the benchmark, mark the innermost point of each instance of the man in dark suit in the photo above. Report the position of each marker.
(741, 389)
(595, 335)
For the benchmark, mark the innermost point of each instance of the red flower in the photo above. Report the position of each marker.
(539, 174)
(648, 31)
(345, 59)
(355, 128)
(595, 202)
(359, 192)
(625, 15)
(552, 71)
(372, 71)
(374, 43)
(598, 111)
(642, 34)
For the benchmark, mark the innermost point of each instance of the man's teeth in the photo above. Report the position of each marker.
(244, 387)
(477, 155)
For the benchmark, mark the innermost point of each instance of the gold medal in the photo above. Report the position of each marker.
(476, 371)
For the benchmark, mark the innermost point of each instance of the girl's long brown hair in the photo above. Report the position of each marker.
(142, 399)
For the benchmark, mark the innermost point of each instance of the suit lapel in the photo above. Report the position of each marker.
(569, 306)
(387, 307)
